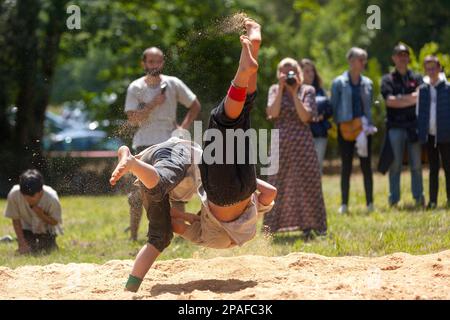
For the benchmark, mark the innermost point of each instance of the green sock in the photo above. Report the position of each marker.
(133, 283)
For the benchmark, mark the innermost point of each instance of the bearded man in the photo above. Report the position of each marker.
(151, 107)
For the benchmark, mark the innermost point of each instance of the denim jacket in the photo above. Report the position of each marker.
(341, 98)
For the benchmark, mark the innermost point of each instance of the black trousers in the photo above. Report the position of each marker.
(228, 183)
(135, 202)
(434, 151)
(40, 243)
(171, 161)
(347, 149)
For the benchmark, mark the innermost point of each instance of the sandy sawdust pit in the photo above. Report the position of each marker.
(295, 276)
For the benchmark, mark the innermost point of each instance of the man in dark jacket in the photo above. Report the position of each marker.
(433, 112)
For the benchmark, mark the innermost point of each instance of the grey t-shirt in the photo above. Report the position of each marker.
(187, 188)
(158, 127)
(18, 208)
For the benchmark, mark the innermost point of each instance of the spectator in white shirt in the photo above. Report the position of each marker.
(35, 212)
(151, 107)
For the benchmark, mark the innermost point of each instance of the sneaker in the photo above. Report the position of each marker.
(431, 206)
(6, 238)
(343, 209)
(393, 205)
(307, 235)
(370, 208)
(420, 203)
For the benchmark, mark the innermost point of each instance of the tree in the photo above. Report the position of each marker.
(32, 42)
(39, 54)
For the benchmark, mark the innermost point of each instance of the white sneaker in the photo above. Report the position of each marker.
(6, 238)
(343, 209)
(370, 207)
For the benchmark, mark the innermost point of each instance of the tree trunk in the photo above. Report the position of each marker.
(26, 48)
(36, 58)
(48, 57)
(37, 66)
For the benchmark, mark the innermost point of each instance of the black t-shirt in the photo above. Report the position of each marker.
(394, 84)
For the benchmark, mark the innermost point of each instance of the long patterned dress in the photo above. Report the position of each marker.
(299, 204)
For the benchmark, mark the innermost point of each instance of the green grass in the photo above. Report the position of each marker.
(94, 229)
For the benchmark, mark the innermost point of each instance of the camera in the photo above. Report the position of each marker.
(290, 78)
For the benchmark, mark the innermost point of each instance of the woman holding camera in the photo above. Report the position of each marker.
(300, 205)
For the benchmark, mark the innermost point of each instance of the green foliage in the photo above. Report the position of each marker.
(104, 56)
(433, 48)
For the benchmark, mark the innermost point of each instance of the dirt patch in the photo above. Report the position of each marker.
(295, 276)
(233, 24)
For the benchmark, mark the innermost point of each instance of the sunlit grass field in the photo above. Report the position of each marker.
(94, 229)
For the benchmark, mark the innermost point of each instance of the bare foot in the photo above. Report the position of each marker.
(125, 161)
(247, 64)
(253, 31)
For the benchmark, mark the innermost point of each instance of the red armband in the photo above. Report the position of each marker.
(237, 93)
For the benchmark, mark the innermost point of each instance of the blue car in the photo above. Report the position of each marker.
(79, 139)
(62, 134)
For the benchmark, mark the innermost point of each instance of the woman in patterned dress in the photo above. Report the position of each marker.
(299, 204)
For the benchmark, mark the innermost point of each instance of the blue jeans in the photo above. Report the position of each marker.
(398, 138)
(320, 144)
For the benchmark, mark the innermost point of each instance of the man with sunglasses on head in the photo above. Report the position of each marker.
(433, 113)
